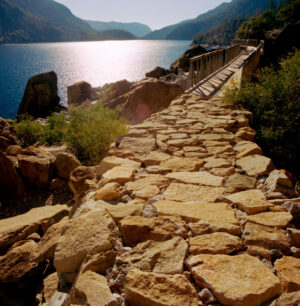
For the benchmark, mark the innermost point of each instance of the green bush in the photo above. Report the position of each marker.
(275, 102)
(28, 130)
(55, 129)
(90, 131)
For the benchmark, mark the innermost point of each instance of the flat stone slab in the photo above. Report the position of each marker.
(275, 219)
(119, 174)
(140, 145)
(240, 280)
(265, 237)
(154, 256)
(142, 288)
(17, 228)
(256, 165)
(189, 192)
(136, 229)
(198, 178)
(241, 182)
(288, 271)
(182, 164)
(215, 243)
(209, 226)
(196, 211)
(251, 201)
(91, 232)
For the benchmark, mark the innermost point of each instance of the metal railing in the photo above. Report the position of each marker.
(252, 62)
(206, 64)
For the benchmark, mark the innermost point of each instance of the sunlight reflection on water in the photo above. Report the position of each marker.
(95, 62)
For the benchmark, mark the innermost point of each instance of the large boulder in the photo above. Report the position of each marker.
(157, 73)
(10, 181)
(79, 93)
(183, 62)
(40, 98)
(36, 166)
(149, 96)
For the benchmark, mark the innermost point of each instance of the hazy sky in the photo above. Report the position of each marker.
(154, 13)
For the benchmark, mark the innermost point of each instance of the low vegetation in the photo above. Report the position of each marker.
(274, 100)
(90, 131)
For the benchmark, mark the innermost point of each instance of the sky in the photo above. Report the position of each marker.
(155, 13)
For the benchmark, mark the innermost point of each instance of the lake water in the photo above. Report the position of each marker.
(95, 62)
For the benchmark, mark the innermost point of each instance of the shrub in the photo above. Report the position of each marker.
(55, 129)
(28, 130)
(275, 102)
(90, 131)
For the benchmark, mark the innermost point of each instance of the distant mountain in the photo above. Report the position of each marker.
(46, 21)
(135, 28)
(186, 29)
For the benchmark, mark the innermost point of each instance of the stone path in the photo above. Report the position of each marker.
(184, 210)
(187, 212)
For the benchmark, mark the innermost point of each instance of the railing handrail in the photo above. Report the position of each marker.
(204, 65)
(197, 57)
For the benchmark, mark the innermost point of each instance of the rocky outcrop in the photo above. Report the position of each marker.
(40, 98)
(157, 73)
(7, 135)
(147, 97)
(79, 93)
(183, 62)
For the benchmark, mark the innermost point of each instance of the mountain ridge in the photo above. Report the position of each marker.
(24, 21)
(186, 29)
(136, 28)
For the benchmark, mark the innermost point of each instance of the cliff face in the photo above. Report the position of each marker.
(186, 193)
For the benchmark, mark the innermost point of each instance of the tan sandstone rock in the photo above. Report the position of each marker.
(265, 237)
(109, 192)
(152, 289)
(137, 229)
(288, 299)
(17, 228)
(215, 243)
(256, 165)
(119, 174)
(189, 192)
(65, 163)
(165, 257)
(240, 182)
(288, 270)
(17, 262)
(199, 178)
(210, 226)
(121, 211)
(82, 179)
(182, 164)
(91, 232)
(275, 219)
(251, 201)
(141, 145)
(92, 289)
(155, 158)
(235, 280)
(112, 161)
(196, 211)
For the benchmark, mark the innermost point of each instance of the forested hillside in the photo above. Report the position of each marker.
(46, 21)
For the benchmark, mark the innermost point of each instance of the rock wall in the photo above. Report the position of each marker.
(185, 210)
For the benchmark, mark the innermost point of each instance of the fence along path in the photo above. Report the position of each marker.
(208, 72)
